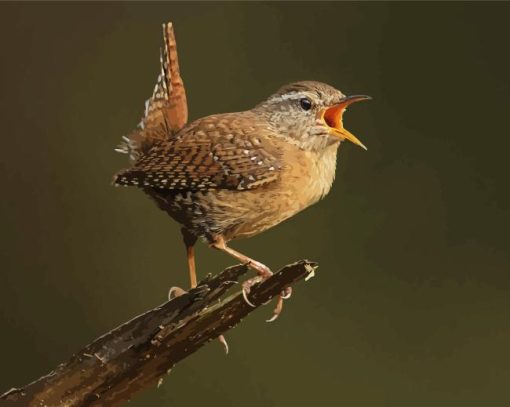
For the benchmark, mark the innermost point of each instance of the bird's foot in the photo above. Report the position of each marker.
(284, 295)
(263, 274)
(247, 287)
(175, 292)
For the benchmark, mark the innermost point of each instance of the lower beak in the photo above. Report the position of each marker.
(332, 116)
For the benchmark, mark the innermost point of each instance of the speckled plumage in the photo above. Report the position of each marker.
(235, 175)
(238, 174)
(166, 111)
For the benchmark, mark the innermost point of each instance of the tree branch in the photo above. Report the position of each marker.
(139, 353)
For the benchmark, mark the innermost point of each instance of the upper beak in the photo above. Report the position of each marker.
(332, 116)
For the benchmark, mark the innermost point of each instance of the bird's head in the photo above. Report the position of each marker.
(310, 114)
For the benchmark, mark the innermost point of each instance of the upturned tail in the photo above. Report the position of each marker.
(166, 112)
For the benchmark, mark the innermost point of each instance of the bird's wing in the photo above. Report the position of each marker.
(213, 154)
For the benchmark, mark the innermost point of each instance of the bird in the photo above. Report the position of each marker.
(235, 175)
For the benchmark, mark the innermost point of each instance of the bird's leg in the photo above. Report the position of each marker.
(189, 241)
(262, 270)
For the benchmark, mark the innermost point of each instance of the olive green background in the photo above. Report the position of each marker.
(411, 304)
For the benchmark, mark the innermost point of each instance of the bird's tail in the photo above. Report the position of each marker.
(166, 112)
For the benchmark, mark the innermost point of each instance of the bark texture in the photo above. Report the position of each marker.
(139, 353)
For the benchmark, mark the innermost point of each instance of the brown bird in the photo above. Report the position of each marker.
(234, 175)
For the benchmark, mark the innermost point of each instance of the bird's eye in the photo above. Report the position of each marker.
(305, 103)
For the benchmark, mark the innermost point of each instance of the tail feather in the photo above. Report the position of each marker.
(166, 111)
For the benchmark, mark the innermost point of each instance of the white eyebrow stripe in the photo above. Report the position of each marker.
(290, 96)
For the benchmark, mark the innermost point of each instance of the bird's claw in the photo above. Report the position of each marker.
(223, 341)
(246, 289)
(175, 292)
(264, 274)
(246, 300)
(285, 294)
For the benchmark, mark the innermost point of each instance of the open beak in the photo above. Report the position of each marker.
(332, 116)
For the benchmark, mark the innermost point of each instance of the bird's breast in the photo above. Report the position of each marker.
(309, 175)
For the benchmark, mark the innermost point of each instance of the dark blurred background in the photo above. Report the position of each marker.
(411, 303)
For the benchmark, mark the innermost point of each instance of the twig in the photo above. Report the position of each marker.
(139, 353)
